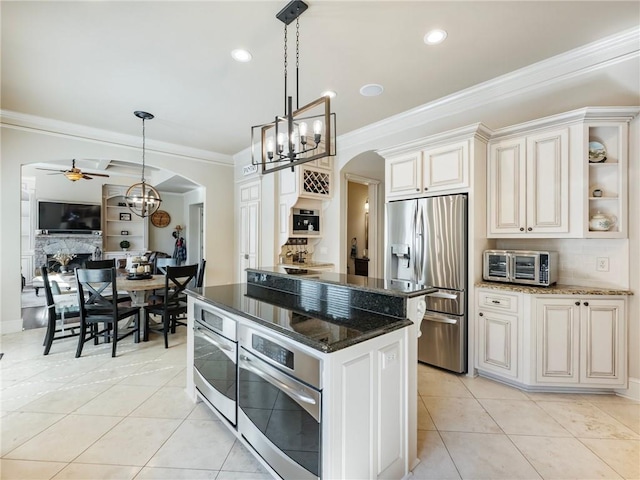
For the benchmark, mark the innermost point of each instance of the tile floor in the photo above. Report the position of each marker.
(128, 417)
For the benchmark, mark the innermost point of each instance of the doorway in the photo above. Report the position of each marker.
(362, 226)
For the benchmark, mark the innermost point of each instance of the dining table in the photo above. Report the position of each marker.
(138, 288)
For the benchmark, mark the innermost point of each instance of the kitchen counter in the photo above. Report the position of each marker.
(375, 285)
(557, 289)
(365, 333)
(310, 320)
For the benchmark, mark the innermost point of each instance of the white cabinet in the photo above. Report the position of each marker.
(426, 171)
(528, 185)
(445, 168)
(499, 327)
(249, 226)
(120, 223)
(581, 341)
(606, 191)
(556, 341)
(404, 175)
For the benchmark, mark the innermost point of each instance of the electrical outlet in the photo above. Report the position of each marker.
(602, 264)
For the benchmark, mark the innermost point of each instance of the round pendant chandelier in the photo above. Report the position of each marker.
(142, 199)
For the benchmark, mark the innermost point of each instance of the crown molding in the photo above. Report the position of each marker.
(592, 57)
(49, 126)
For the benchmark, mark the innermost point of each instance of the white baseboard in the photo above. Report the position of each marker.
(10, 326)
(633, 392)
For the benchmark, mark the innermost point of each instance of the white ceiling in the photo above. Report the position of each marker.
(93, 63)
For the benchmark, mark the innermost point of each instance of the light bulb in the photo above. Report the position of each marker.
(303, 129)
(280, 139)
(317, 127)
(270, 145)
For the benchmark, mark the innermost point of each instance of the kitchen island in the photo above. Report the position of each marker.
(352, 410)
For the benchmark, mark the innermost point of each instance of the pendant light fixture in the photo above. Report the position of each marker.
(142, 199)
(299, 136)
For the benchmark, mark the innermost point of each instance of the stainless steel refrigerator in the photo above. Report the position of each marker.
(426, 243)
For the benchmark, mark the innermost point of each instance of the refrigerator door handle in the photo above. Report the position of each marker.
(449, 296)
(420, 237)
(439, 319)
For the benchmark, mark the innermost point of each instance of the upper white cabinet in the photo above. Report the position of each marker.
(528, 184)
(541, 182)
(432, 165)
(404, 175)
(606, 194)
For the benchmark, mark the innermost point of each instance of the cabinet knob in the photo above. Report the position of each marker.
(481, 314)
(586, 304)
(578, 304)
(417, 189)
(426, 188)
(522, 229)
(529, 229)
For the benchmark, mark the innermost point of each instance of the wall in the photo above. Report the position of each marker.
(577, 259)
(160, 239)
(24, 145)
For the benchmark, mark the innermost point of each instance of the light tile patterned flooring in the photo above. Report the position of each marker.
(128, 417)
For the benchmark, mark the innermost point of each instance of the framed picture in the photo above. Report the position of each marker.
(125, 216)
(124, 232)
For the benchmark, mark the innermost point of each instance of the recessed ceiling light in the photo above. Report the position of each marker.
(434, 37)
(371, 90)
(240, 55)
(329, 93)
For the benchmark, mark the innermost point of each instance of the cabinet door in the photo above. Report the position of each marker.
(498, 342)
(557, 340)
(506, 187)
(249, 218)
(404, 175)
(548, 182)
(603, 341)
(446, 168)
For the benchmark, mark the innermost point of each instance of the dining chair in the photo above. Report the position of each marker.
(163, 263)
(96, 308)
(63, 316)
(109, 263)
(174, 303)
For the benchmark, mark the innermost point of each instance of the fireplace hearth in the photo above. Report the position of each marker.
(78, 261)
(83, 246)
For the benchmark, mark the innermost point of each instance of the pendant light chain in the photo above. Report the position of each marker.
(297, 61)
(143, 149)
(285, 69)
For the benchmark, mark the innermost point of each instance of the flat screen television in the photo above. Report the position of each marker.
(63, 217)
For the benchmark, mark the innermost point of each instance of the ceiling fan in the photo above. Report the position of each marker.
(75, 173)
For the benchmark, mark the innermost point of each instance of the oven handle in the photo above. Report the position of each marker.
(206, 335)
(274, 381)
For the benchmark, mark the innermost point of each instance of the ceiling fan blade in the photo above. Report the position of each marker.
(51, 170)
(96, 174)
(86, 177)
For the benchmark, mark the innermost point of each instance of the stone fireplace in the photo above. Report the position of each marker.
(85, 247)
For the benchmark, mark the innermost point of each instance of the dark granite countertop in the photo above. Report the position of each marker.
(388, 287)
(312, 321)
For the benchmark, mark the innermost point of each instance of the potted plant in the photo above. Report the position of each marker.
(124, 244)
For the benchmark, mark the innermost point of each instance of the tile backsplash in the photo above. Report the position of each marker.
(578, 259)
